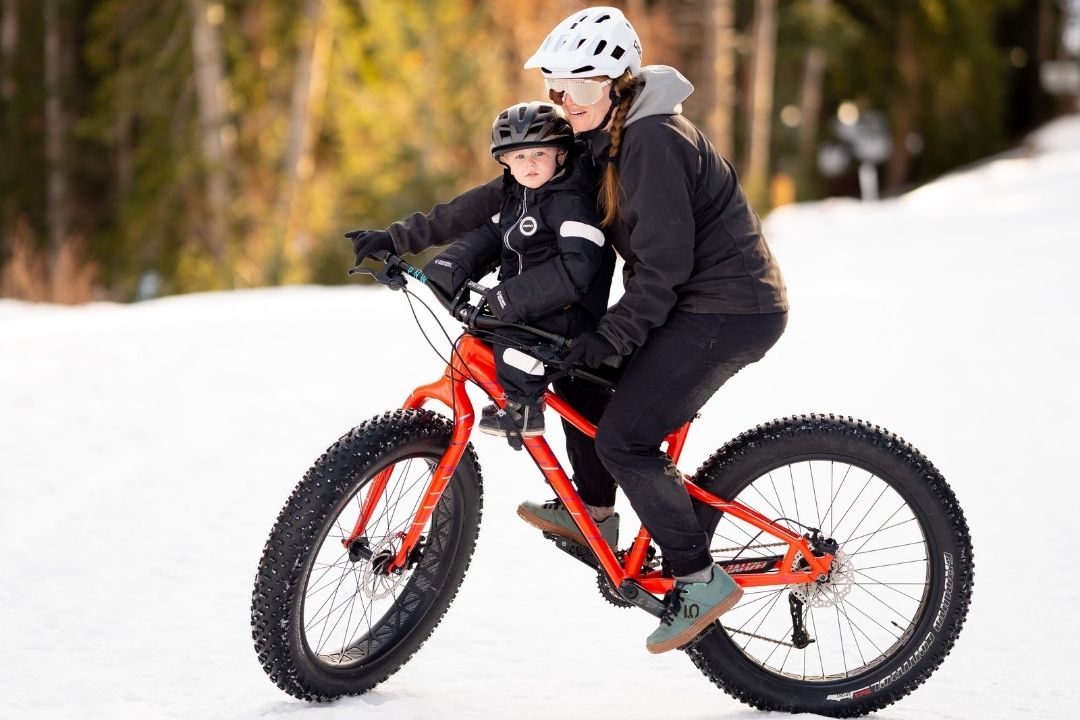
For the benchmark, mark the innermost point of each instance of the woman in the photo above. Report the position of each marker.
(703, 297)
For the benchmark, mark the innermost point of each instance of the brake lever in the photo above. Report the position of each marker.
(387, 275)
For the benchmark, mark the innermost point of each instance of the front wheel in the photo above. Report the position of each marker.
(900, 584)
(327, 619)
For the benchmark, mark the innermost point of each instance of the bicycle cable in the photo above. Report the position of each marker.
(509, 341)
(750, 545)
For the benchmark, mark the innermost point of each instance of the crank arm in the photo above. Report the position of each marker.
(634, 594)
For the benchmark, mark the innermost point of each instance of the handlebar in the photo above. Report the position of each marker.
(392, 275)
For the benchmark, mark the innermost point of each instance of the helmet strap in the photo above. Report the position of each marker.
(616, 100)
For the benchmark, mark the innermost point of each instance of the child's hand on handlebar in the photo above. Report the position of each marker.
(446, 275)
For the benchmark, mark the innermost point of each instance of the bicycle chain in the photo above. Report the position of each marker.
(743, 632)
(749, 547)
(758, 637)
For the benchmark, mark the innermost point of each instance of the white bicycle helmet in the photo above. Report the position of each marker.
(591, 42)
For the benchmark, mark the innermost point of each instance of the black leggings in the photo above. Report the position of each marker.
(662, 385)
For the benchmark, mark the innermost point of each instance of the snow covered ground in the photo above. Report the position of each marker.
(146, 449)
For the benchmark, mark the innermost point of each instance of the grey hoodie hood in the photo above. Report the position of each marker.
(664, 91)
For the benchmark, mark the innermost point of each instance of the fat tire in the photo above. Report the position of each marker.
(281, 580)
(942, 613)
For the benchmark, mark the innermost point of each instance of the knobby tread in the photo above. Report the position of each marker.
(280, 580)
(771, 697)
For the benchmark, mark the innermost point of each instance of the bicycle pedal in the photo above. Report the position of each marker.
(574, 549)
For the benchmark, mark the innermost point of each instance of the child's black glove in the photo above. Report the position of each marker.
(500, 305)
(590, 349)
(366, 242)
(446, 275)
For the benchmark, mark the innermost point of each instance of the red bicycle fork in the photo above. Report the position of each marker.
(473, 360)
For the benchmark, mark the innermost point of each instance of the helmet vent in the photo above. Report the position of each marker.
(600, 47)
(583, 68)
(617, 52)
(602, 18)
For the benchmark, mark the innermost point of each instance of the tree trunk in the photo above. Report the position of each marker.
(720, 75)
(309, 85)
(212, 89)
(59, 209)
(9, 43)
(903, 114)
(810, 101)
(764, 72)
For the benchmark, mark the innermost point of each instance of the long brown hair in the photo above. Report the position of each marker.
(609, 197)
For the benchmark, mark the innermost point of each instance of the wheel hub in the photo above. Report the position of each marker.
(375, 582)
(832, 590)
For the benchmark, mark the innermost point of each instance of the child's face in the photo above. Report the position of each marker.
(532, 167)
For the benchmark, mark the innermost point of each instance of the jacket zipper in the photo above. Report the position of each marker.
(506, 236)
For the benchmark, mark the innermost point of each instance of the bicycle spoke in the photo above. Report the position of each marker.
(813, 487)
(813, 623)
(840, 635)
(350, 609)
(869, 510)
(881, 530)
(844, 516)
(833, 496)
(890, 585)
(879, 526)
(794, 496)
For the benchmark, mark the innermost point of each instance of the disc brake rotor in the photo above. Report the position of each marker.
(375, 582)
(828, 593)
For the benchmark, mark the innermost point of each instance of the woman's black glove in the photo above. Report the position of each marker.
(446, 275)
(366, 242)
(589, 349)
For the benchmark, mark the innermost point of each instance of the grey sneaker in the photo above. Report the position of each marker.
(692, 609)
(553, 517)
(529, 419)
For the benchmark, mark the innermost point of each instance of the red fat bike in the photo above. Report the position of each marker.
(854, 556)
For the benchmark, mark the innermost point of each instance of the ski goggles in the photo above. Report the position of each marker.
(582, 91)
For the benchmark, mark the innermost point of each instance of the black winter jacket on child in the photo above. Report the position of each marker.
(548, 246)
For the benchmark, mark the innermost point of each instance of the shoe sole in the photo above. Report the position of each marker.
(502, 433)
(702, 624)
(550, 527)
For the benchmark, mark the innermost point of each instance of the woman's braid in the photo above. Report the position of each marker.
(627, 89)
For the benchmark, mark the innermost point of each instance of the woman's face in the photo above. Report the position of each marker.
(586, 117)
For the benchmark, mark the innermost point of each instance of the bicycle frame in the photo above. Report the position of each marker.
(473, 360)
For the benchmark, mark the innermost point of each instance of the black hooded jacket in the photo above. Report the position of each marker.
(686, 231)
(546, 242)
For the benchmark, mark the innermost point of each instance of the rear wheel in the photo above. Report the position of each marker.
(328, 620)
(900, 584)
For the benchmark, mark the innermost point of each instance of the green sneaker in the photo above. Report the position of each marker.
(553, 517)
(693, 609)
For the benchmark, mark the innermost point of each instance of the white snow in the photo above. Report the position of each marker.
(145, 451)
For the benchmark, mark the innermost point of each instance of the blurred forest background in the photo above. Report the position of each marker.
(149, 148)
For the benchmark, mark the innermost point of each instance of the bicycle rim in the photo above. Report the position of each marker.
(353, 614)
(877, 590)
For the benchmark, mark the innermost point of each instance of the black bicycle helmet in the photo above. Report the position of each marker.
(531, 124)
